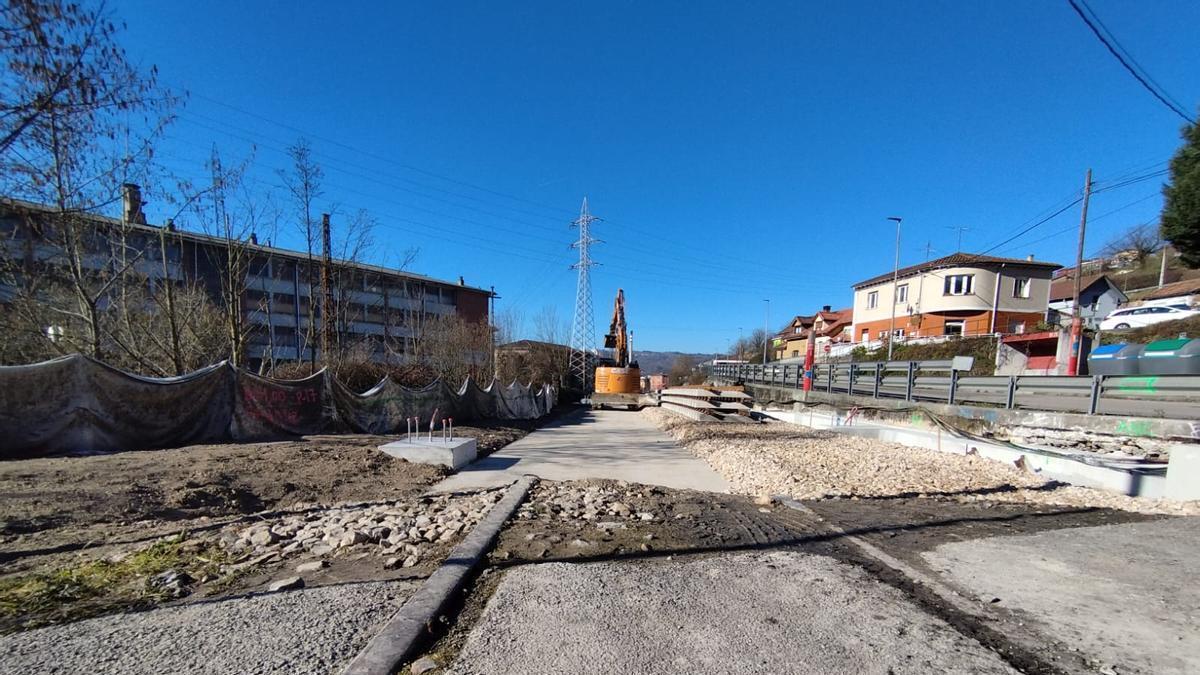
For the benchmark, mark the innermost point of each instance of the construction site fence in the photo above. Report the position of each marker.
(944, 381)
(75, 404)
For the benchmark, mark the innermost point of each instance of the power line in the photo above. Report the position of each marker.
(1110, 42)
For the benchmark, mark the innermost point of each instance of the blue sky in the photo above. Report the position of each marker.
(736, 152)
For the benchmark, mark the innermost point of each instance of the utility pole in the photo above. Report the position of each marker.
(495, 351)
(895, 278)
(1076, 311)
(810, 355)
(583, 329)
(766, 330)
(1162, 267)
(326, 291)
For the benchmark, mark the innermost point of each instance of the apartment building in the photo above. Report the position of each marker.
(960, 294)
(375, 306)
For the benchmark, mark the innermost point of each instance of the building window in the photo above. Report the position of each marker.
(1021, 287)
(795, 353)
(866, 335)
(872, 299)
(960, 284)
(899, 332)
(797, 330)
(953, 327)
(901, 294)
(1016, 327)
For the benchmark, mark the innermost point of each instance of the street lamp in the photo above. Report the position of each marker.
(895, 278)
(766, 330)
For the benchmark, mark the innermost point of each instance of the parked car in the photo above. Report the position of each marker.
(1136, 317)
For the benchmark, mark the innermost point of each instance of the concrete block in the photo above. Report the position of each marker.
(1183, 472)
(455, 453)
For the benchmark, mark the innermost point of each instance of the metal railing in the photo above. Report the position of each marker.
(945, 382)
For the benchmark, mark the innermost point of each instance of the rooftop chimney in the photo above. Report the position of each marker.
(825, 308)
(1029, 257)
(461, 281)
(131, 204)
(254, 238)
(170, 225)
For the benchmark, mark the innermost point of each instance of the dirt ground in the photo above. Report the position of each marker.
(62, 504)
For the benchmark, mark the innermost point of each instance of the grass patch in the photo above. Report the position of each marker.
(100, 586)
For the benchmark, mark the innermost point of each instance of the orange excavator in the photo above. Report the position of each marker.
(618, 380)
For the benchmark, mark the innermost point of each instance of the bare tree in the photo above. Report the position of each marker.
(510, 324)
(303, 182)
(63, 63)
(1135, 243)
(548, 327)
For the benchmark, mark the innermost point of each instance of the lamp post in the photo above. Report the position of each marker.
(895, 278)
(766, 329)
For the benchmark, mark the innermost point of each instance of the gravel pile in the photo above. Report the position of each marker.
(573, 501)
(409, 530)
(811, 464)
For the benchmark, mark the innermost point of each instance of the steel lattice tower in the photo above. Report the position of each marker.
(583, 331)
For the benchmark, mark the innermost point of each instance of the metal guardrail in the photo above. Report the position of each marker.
(944, 381)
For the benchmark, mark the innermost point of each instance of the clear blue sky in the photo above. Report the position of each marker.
(736, 151)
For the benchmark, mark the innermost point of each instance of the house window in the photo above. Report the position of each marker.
(901, 294)
(1021, 287)
(1016, 327)
(872, 299)
(866, 335)
(797, 330)
(899, 332)
(795, 353)
(960, 284)
(953, 327)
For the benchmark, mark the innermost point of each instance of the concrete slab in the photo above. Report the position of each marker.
(1124, 594)
(762, 612)
(455, 453)
(614, 444)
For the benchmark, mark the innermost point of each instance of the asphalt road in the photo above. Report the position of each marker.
(761, 612)
(1125, 594)
(613, 444)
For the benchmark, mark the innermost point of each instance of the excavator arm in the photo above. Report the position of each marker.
(617, 338)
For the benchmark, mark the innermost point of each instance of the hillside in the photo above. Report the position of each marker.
(660, 362)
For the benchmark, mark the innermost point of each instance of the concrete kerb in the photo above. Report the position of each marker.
(412, 625)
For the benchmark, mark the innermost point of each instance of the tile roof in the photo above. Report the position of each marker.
(957, 260)
(1185, 287)
(1063, 288)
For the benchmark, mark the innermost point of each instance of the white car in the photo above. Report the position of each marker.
(1136, 317)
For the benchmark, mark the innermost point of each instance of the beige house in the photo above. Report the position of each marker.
(960, 294)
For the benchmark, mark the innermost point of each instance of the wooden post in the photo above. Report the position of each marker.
(1077, 316)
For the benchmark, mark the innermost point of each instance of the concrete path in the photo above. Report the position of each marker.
(1124, 594)
(776, 612)
(614, 444)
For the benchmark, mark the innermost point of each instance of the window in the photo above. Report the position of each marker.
(953, 327)
(866, 335)
(959, 284)
(899, 332)
(872, 299)
(1016, 327)
(901, 294)
(797, 330)
(795, 353)
(1021, 287)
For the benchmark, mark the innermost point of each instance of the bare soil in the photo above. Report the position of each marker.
(63, 504)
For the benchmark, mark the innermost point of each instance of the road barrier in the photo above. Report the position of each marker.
(945, 382)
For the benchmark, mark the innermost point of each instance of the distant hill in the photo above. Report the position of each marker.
(660, 362)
